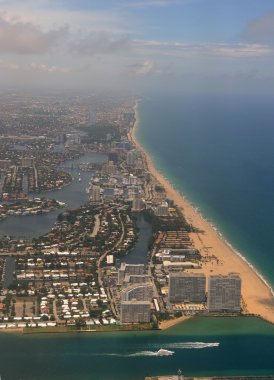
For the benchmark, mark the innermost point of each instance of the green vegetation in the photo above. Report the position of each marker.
(167, 223)
(95, 328)
(101, 132)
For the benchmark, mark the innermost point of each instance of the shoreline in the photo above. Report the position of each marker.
(173, 322)
(257, 293)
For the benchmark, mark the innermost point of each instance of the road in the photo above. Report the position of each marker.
(100, 269)
(99, 262)
(96, 226)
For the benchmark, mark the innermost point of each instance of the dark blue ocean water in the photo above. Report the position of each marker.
(219, 151)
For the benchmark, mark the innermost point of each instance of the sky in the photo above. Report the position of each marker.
(138, 45)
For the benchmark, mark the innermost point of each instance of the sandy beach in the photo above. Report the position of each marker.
(172, 322)
(257, 295)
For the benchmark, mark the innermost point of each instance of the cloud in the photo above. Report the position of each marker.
(100, 43)
(158, 3)
(147, 68)
(178, 49)
(55, 15)
(26, 38)
(260, 29)
(33, 67)
(46, 68)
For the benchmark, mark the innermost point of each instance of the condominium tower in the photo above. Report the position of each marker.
(186, 287)
(135, 312)
(224, 293)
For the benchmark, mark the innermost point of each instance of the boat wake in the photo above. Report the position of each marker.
(161, 352)
(192, 345)
(140, 353)
(168, 347)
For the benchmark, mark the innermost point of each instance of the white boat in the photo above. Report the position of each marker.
(163, 352)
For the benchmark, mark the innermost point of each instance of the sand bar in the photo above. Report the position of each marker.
(257, 294)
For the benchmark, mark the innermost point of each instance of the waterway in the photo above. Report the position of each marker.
(73, 195)
(202, 346)
(138, 255)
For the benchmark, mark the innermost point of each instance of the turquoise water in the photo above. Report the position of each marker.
(203, 346)
(219, 152)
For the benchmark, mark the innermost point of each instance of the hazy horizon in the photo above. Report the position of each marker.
(138, 45)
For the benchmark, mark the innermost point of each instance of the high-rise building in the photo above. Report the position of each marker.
(135, 312)
(224, 293)
(162, 209)
(139, 164)
(138, 292)
(137, 204)
(129, 269)
(109, 168)
(27, 162)
(132, 179)
(95, 193)
(186, 287)
(131, 157)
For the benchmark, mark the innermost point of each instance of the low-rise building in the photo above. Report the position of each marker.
(129, 269)
(139, 292)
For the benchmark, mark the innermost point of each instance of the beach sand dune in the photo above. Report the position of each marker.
(257, 294)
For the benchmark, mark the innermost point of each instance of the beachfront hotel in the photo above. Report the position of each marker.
(135, 312)
(186, 287)
(224, 293)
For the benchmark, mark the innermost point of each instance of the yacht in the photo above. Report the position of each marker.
(163, 352)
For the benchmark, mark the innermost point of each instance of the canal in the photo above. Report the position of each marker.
(138, 255)
(74, 195)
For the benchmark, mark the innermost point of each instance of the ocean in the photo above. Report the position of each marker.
(218, 151)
